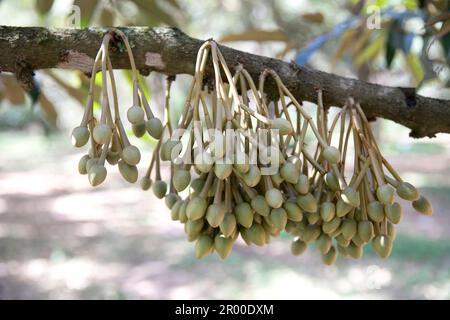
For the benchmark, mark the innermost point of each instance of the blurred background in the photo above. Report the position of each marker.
(62, 239)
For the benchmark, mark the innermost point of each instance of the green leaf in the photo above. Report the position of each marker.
(43, 6)
(391, 45)
(128, 76)
(371, 51)
(410, 4)
(381, 3)
(361, 41)
(416, 67)
(445, 41)
(97, 106)
(98, 79)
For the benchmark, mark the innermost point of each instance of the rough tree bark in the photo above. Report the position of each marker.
(170, 51)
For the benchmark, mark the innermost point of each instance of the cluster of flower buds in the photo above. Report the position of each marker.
(245, 166)
(107, 136)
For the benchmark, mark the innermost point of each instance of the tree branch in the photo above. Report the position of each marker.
(170, 51)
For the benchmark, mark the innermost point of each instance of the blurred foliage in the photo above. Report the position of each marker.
(93, 13)
(364, 37)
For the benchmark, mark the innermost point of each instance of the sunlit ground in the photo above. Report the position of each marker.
(62, 239)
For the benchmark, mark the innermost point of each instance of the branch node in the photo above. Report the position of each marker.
(417, 135)
(297, 69)
(410, 96)
(24, 74)
(238, 67)
(209, 83)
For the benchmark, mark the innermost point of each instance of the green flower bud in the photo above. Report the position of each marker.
(97, 174)
(80, 136)
(135, 115)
